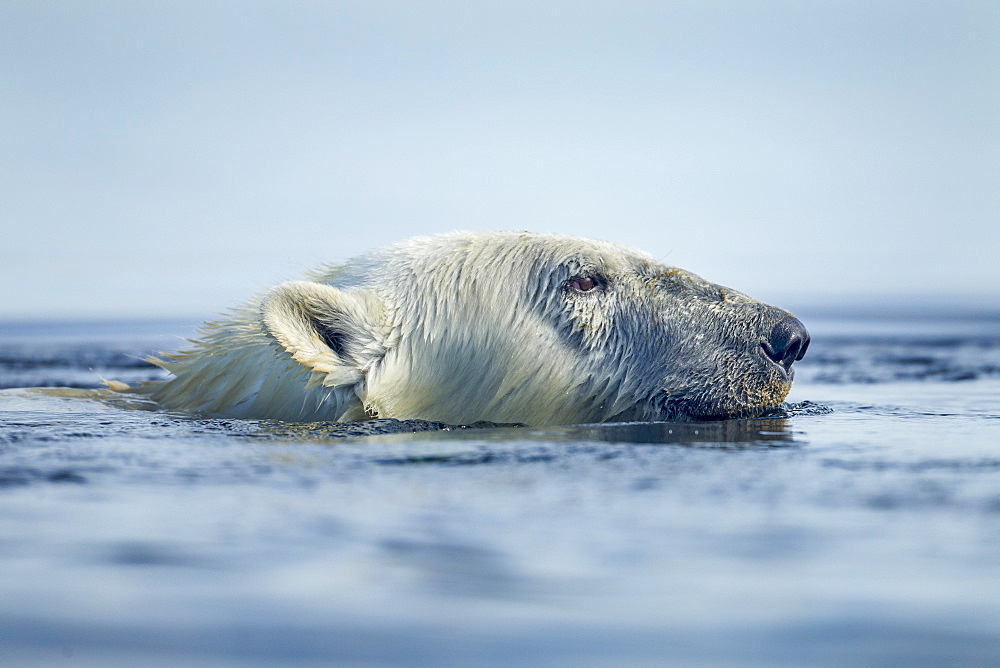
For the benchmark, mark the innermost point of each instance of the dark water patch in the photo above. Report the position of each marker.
(447, 459)
(485, 455)
(16, 476)
(458, 570)
(66, 476)
(80, 379)
(934, 498)
(31, 357)
(147, 553)
(41, 428)
(76, 365)
(848, 360)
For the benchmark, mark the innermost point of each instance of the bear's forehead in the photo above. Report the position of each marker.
(529, 250)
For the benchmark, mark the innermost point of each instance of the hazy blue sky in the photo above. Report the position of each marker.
(171, 158)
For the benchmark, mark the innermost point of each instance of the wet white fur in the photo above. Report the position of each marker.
(459, 328)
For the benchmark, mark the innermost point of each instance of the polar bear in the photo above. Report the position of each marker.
(504, 327)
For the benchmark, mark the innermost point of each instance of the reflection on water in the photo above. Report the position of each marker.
(747, 432)
(727, 433)
(771, 430)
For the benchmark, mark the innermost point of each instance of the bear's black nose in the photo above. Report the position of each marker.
(787, 342)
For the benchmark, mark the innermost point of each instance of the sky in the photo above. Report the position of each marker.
(170, 159)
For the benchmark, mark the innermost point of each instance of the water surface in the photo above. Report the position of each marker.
(860, 525)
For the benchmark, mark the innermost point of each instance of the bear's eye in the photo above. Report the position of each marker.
(584, 283)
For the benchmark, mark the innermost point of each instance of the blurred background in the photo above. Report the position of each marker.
(171, 158)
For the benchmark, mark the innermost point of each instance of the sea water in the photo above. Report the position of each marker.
(860, 524)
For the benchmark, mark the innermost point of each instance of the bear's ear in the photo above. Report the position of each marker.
(330, 331)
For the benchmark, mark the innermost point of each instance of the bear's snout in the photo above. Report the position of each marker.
(787, 343)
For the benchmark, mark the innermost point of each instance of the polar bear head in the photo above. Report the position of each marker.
(505, 327)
